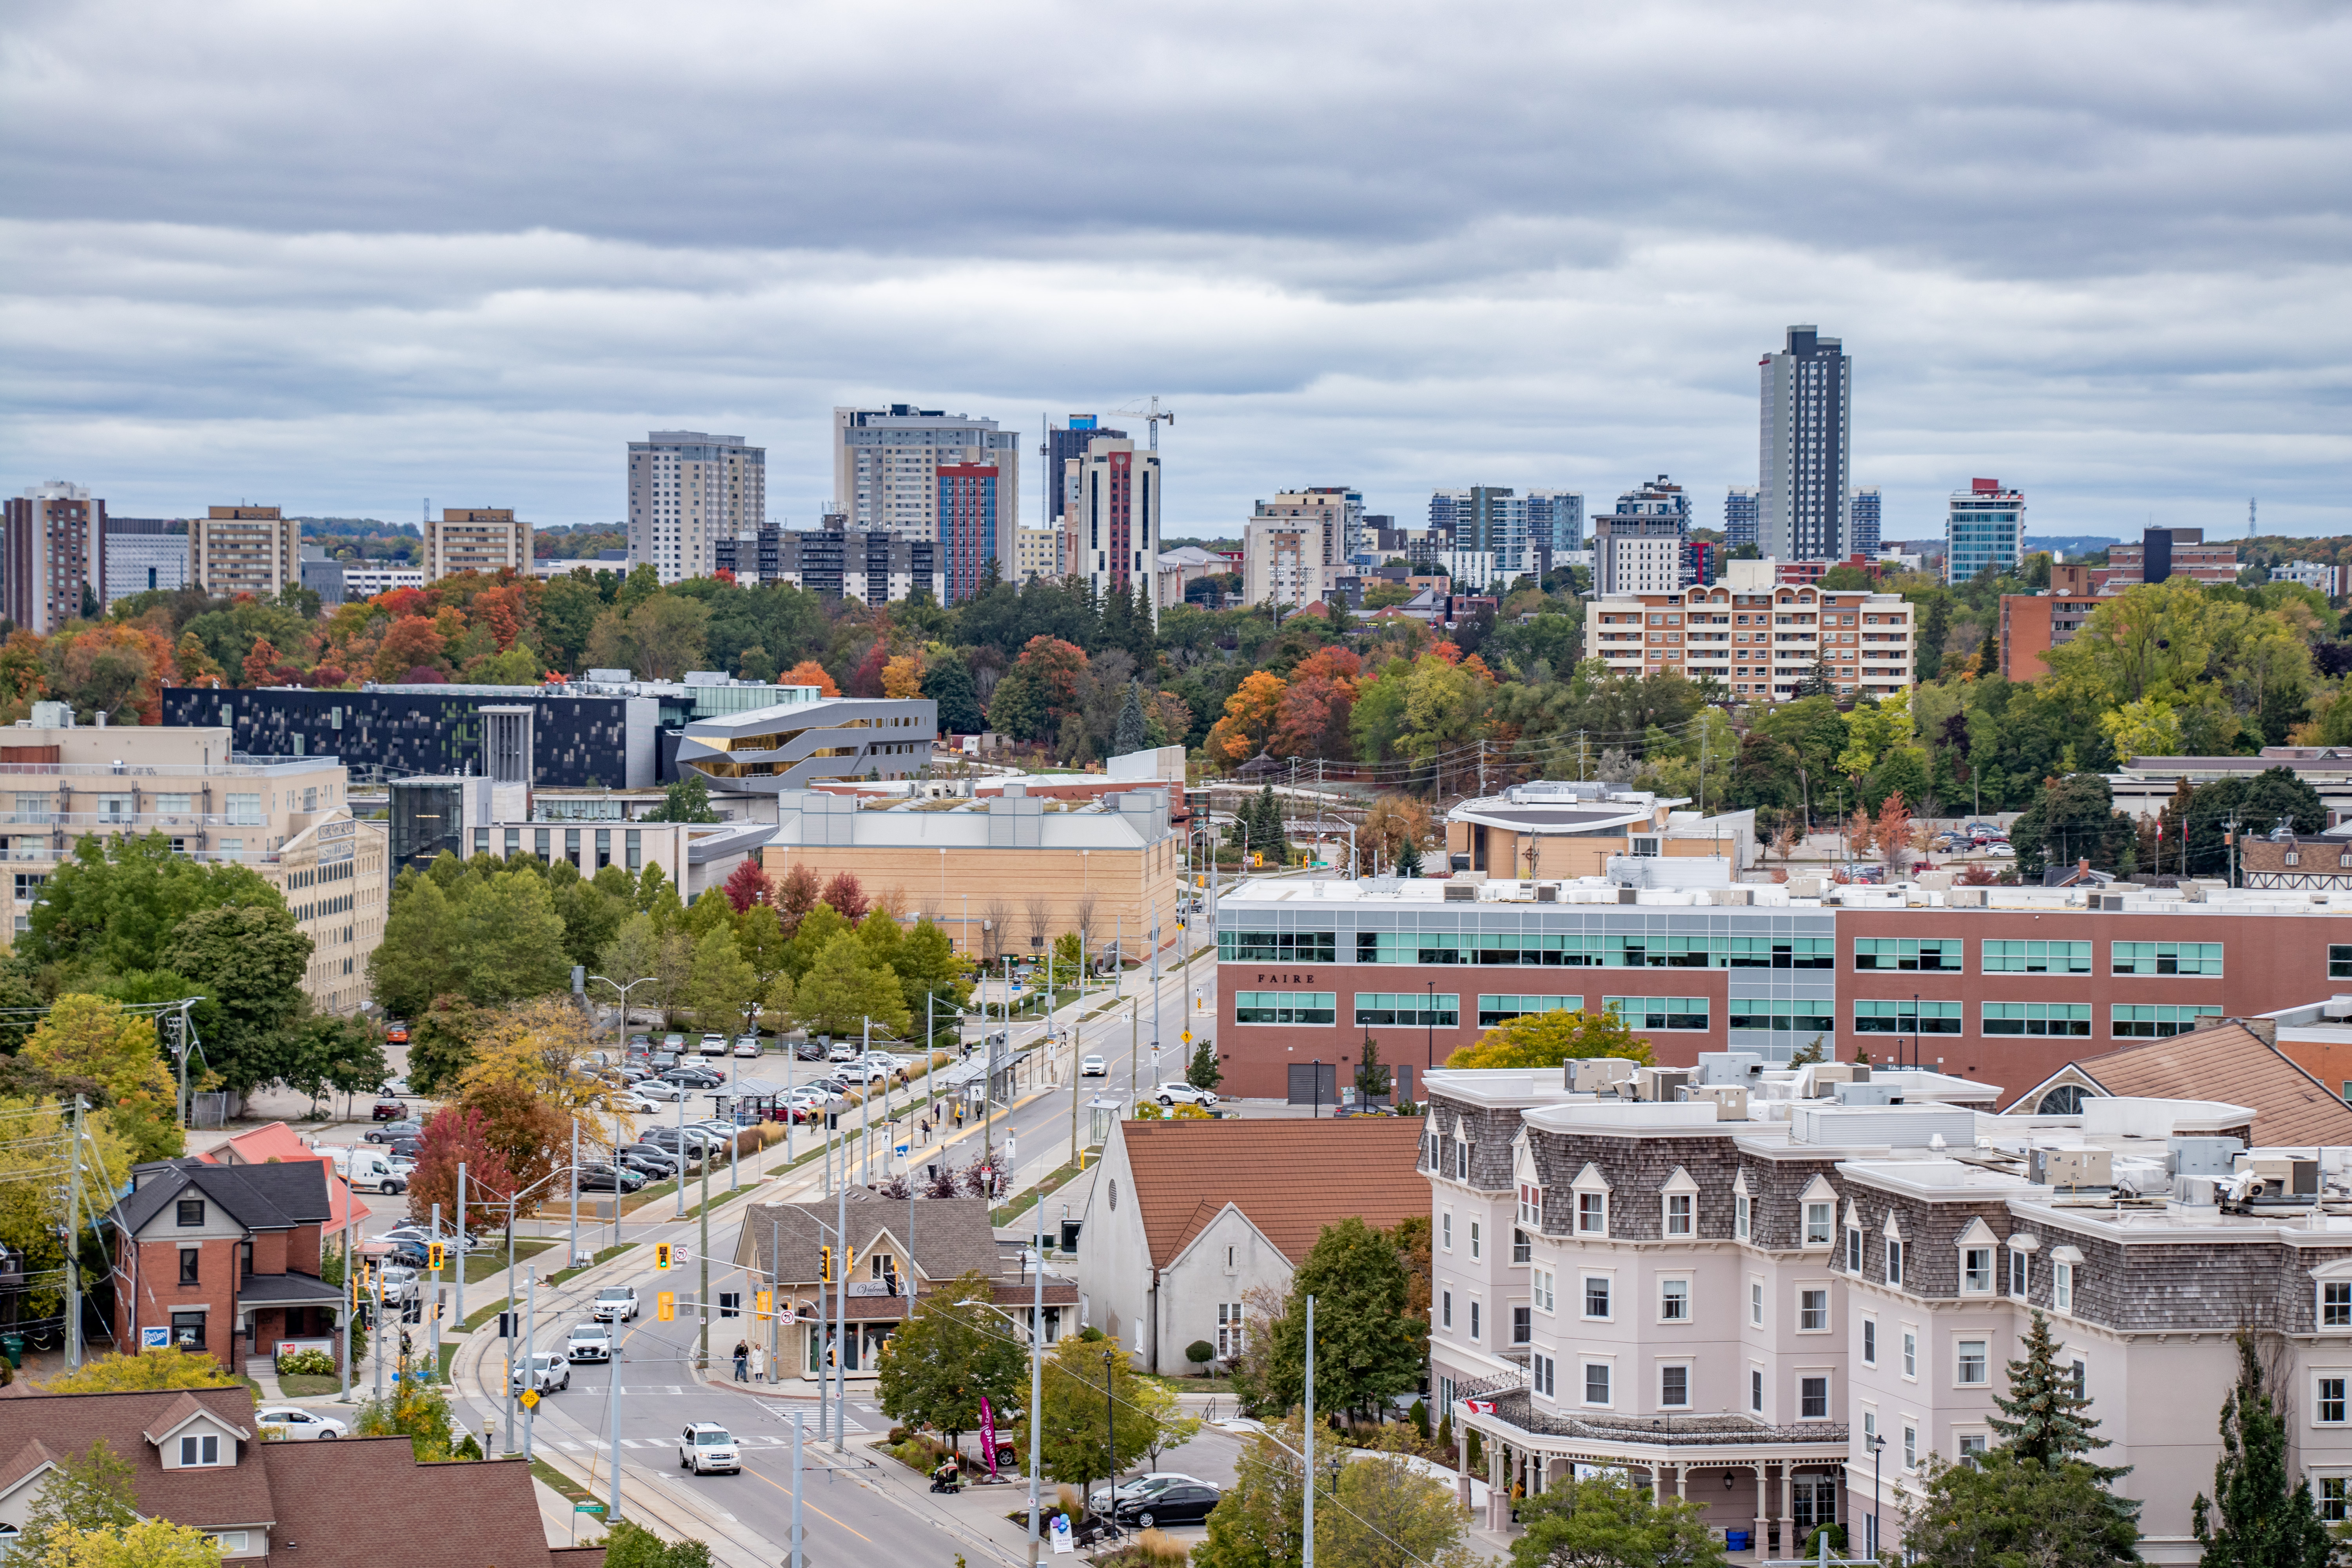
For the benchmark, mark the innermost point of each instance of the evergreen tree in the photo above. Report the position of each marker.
(1266, 834)
(1129, 736)
(1202, 1071)
(947, 682)
(1407, 862)
(2041, 1417)
(2254, 1520)
(1373, 1078)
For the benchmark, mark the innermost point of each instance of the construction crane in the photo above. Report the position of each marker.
(1151, 415)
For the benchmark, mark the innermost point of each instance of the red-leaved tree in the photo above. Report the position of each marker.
(847, 898)
(796, 898)
(452, 1135)
(749, 885)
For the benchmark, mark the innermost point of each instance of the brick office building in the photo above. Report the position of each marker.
(2005, 987)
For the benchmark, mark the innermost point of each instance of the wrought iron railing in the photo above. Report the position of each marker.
(1518, 1408)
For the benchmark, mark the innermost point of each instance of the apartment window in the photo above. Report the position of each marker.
(2335, 1499)
(1530, 1204)
(190, 1211)
(1972, 1446)
(1972, 1362)
(1812, 1312)
(1817, 1223)
(1740, 1216)
(1678, 1214)
(1910, 1447)
(1596, 1382)
(1674, 1300)
(1906, 1017)
(244, 810)
(175, 805)
(2036, 957)
(1473, 1320)
(1853, 1249)
(1976, 1272)
(1522, 1325)
(2062, 1287)
(203, 1451)
(1756, 1390)
(2081, 1377)
(1673, 1387)
(1894, 1263)
(1546, 1378)
(1870, 1342)
(191, 1258)
(2168, 957)
(1933, 956)
(1445, 1308)
(2149, 1021)
(1756, 1302)
(1544, 1297)
(1910, 1353)
(1592, 1213)
(2336, 1304)
(1596, 1296)
(1445, 1230)
(1522, 1249)
(1812, 1399)
(1473, 1240)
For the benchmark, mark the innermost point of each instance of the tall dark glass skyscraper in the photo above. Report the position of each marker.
(1805, 462)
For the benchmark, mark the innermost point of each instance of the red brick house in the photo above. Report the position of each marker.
(196, 1458)
(224, 1258)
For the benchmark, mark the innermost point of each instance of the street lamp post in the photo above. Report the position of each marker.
(625, 991)
(1110, 1431)
(1429, 1017)
(1877, 1478)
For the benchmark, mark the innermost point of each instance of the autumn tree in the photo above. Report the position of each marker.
(808, 672)
(1539, 1040)
(747, 884)
(951, 1355)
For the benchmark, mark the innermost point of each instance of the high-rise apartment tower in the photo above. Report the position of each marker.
(251, 550)
(887, 464)
(1114, 527)
(55, 549)
(687, 490)
(1638, 548)
(1805, 459)
(481, 539)
(1981, 529)
(1739, 517)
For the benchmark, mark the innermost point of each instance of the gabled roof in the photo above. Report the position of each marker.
(182, 1411)
(281, 1144)
(945, 1237)
(215, 1498)
(2225, 1061)
(28, 1460)
(334, 1497)
(1289, 1178)
(258, 1197)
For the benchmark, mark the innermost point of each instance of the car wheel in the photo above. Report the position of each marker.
(1144, 1519)
(327, 1437)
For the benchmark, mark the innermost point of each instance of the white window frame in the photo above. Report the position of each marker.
(2322, 1397)
(1445, 1308)
(1682, 1223)
(2020, 1274)
(1983, 1361)
(1474, 1250)
(1592, 1212)
(1477, 1319)
(2332, 1497)
(1584, 1284)
(1829, 1395)
(1754, 1390)
(1823, 1325)
(1895, 1261)
(1446, 1229)
(1543, 1375)
(1754, 1303)
(1820, 1223)
(1665, 1281)
(2062, 1287)
(1542, 1290)
(2341, 1316)
(1910, 1353)
(1690, 1383)
(1977, 1279)
(1853, 1250)
(1868, 1349)
(1910, 1447)
(1531, 1205)
(1607, 1367)
(1742, 1215)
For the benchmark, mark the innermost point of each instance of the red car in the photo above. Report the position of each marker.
(397, 1034)
(387, 1109)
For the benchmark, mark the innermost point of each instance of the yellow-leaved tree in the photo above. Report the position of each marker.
(89, 1046)
(1548, 1040)
(33, 1192)
(544, 1048)
(121, 1372)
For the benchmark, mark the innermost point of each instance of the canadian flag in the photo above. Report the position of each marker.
(1479, 1406)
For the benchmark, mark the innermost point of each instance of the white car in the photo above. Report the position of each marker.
(614, 1304)
(2001, 851)
(1093, 1067)
(655, 1088)
(546, 1370)
(704, 1446)
(747, 1045)
(635, 1104)
(842, 1051)
(293, 1424)
(1172, 1095)
(588, 1341)
(713, 1045)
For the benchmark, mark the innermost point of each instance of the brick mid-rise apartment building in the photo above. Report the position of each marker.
(1760, 640)
(2001, 985)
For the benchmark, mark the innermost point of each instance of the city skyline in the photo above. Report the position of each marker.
(2137, 317)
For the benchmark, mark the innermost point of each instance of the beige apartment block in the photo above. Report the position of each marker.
(1295, 546)
(1760, 641)
(288, 820)
(475, 538)
(688, 490)
(1036, 552)
(251, 550)
(1004, 875)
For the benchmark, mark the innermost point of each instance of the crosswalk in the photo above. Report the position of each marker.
(743, 1439)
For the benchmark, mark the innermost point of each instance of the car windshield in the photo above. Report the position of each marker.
(612, 1295)
(712, 1440)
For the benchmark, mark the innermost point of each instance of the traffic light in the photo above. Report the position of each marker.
(849, 1263)
(764, 1302)
(666, 1307)
(437, 1254)
(661, 1256)
(825, 1265)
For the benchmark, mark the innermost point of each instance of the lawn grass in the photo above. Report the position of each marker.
(479, 1319)
(307, 1384)
(562, 1275)
(573, 1490)
(448, 1354)
(1019, 1204)
(484, 1262)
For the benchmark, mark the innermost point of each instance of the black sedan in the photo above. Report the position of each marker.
(650, 1160)
(1179, 1504)
(695, 1077)
(597, 1177)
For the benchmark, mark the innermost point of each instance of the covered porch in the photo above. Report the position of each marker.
(271, 1308)
(1762, 1488)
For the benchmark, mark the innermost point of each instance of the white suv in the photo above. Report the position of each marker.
(614, 1304)
(1175, 1094)
(704, 1446)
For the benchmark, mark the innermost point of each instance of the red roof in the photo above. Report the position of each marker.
(1289, 1177)
(280, 1143)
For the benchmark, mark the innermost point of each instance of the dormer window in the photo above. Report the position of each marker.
(191, 1211)
(1530, 1204)
(200, 1450)
(1818, 1218)
(1592, 1213)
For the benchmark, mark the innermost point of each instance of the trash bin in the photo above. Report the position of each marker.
(1736, 1539)
(13, 1347)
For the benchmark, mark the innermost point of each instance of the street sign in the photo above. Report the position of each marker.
(1187, 1037)
(531, 1399)
(587, 1508)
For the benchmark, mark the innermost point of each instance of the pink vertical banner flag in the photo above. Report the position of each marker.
(988, 1435)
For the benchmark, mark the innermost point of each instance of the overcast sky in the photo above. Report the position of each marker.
(343, 257)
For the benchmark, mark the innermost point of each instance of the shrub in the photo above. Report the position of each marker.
(306, 1363)
(1199, 1353)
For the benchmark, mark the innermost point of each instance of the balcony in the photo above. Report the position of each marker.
(1678, 1438)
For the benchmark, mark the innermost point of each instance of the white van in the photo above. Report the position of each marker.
(367, 1170)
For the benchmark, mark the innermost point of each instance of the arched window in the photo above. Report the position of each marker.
(2066, 1100)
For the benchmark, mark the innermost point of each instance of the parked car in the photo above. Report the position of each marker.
(1186, 1502)
(843, 1051)
(390, 1108)
(747, 1045)
(657, 1164)
(637, 1104)
(546, 1370)
(694, 1074)
(405, 1147)
(1151, 1483)
(713, 1045)
(673, 1041)
(1174, 1094)
(1093, 1066)
(638, 1042)
(293, 1424)
(705, 1447)
(2003, 850)
(392, 1131)
(396, 1033)
(808, 1051)
(614, 1304)
(662, 1061)
(659, 1089)
(588, 1341)
(598, 1177)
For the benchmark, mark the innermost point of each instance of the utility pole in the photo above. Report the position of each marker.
(73, 1243)
(1307, 1559)
(1036, 1358)
(793, 1558)
(433, 1335)
(612, 1422)
(461, 1242)
(702, 1258)
(529, 1372)
(841, 1309)
(574, 1256)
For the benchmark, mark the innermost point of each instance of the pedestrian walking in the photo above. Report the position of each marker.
(742, 1360)
(758, 1364)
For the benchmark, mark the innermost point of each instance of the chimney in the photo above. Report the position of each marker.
(2263, 1029)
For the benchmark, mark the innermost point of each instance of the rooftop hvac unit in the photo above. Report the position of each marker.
(1461, 892)
(2072, 1170)
(2270, 1179)
(1731, 1099)
(1659, 1085)
(1729, 1066)
(1599, 1075)
(1839, 1072)
(1547, 892)
(2336, 1007)
(2196, 1190)
(1875, 1126)
(1885, 1093)
(2201, 1156)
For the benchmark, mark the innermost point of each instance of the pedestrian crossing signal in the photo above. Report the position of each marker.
(661, 1256)
(437, 1253)
(666, 1307)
